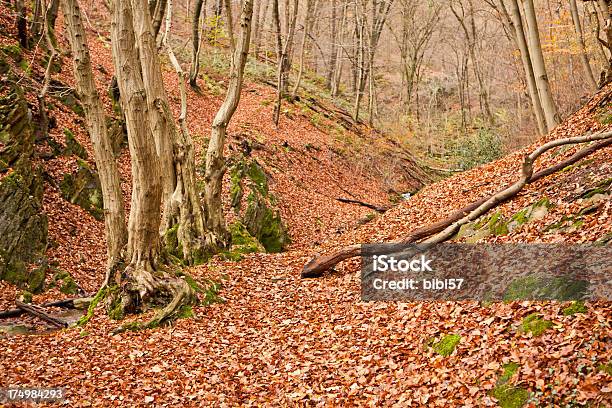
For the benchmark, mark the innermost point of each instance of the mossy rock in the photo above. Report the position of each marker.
(509, 396)
(65, 282)
(575, 307)
(261, 219)
(538, 287)
(23, 224)
(535, 324)
(266, 225)
(447, 344)
(83, 189)
(117, 133)
(73, 147)
(71, 100)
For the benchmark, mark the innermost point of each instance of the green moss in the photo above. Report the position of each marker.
(185, 312)
(13, 51)
(535, 324)
(92, 306)
(258, 177)
(73, 147)
(71, 100)
(509, 370)
(26, 296)
(509, 396)
(606, 368)
(575, 307)
(447, 344)
(64, 282)
(536, 287)
(173, 246)
(211, 293)
(190, 281)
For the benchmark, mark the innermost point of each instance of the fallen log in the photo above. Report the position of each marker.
(363, 204)
(40, 313)
(65, 303)
(318, 265)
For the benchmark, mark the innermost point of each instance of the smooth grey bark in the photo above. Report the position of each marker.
(521, 41)
(584, 57)
(539, 67)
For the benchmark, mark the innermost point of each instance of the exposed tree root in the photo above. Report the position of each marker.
(141, 288)
(446, 228)
(363, 204)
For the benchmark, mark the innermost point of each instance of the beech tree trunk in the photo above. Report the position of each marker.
(584, 57)
(114, 215)
(215, 163)
(142, 281)
(22, 23)
(179, 198)
(539, 67)
(521, 41)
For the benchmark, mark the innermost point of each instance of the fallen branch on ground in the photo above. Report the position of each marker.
(65, 303)
(40, 313)
(447, 227)
(363, 204)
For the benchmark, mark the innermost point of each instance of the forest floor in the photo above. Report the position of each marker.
(277, 339)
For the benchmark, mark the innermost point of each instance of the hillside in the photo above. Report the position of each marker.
(271, 338)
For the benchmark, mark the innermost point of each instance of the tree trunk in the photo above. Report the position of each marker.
(521, 42)
(584, 57)
(334, 38)
(142, 281)
(311, 7)
(22, 23)
(196, 44)
(283, 52)
(215, 163)
(539, 67)
(157, 15)
(114, 216)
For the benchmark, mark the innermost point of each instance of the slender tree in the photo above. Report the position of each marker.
(283, 51)
(539, 67)
(215, 163)
(114, 215)
(584, 57)
(521, 41)
(196, 43)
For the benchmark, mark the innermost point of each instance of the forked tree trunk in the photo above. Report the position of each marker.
(215, 163)
(539, 67)
(521, 41)
(142, 281)
(114, 215)
(179, 198)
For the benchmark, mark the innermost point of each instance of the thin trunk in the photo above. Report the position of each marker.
(196, 44)
(157, 16)
(230, 24)
(521, 41)
(215, 162)
(192, 234)
(332, 54)
(311, 7)
(283, 52)
(539, 67)
(584, 57)
(22, 23)
(114, 216)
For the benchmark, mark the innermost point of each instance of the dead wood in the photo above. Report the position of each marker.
(447, 227)
(363, 204)
(40, 313)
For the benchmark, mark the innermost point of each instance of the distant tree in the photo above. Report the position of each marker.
(196, 43)
(584, 57)
(284, 50)
(539, 67)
